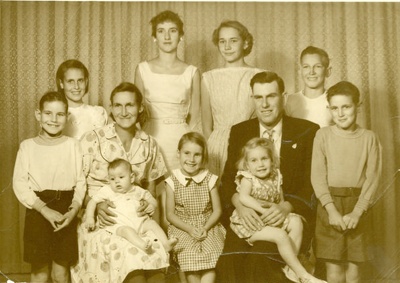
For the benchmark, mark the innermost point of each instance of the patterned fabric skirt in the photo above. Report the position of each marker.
(106, 257)
(193, 255)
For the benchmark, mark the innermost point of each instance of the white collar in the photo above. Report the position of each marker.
(183, 178)
(277, 129)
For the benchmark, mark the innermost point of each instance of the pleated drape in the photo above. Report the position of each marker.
(111, 38)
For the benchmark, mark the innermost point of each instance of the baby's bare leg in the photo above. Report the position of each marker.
(132, 236)
(152, 225)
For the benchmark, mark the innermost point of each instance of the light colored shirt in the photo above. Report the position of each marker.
(102, 146)
(346, 159)
(276, 136)
(312, 109)
(42, 166)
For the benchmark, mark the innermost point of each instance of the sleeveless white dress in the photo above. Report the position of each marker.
(167, 99)
(230, 98)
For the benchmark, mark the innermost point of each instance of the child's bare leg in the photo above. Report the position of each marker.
(295, 232)
(352, 273)
(152, 225)
(130, 235)
(40, 273)
(208, 276)
(60, 272)
(335, 273)
(285, 248)
(193, 277)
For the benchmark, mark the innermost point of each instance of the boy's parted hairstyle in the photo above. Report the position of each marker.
(166, 16)
(120, 162)
(344, 88)
(51, 96)
(130, 87)
(243, 32)
(258, 142)
(268, 77)
(315, 50)
(71, 64)
(198, 139)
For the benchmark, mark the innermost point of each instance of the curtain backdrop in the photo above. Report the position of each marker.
(111, 38)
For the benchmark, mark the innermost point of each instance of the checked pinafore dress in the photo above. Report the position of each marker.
(193, 206)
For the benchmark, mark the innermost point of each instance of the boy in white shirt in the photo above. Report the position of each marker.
(310, 103)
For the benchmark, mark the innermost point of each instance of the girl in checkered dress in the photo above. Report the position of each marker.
(193, 209)
(259, 185)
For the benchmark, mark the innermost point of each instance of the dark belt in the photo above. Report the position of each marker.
(345, 191)
(48, 195)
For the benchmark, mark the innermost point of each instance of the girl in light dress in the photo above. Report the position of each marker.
(225, 92)
(259, 185)
(171, 88)
(73, 81)
(193, 210)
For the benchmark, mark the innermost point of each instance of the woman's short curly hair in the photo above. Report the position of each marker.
(243, 32)
(166, 16)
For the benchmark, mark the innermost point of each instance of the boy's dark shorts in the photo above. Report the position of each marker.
(42, 244)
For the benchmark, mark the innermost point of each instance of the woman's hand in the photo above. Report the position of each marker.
(104, 214)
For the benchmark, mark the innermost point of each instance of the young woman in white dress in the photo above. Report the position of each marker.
(171, 88)
(225, 91)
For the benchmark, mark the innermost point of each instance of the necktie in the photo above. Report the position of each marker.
(188, 180)
(269, 135)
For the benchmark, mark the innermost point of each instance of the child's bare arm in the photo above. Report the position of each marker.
(246, 199)
(173, 218)
(90, 219)
(217, 210)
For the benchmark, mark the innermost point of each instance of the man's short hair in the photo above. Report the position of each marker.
(268, 77)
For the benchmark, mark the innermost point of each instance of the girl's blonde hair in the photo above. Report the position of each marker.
(198, 139)
(258, 142)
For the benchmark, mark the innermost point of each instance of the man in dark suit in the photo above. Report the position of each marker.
(293, 140)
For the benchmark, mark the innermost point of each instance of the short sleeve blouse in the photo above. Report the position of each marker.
(102, 146)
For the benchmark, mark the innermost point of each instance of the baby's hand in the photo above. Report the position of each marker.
(90, 224)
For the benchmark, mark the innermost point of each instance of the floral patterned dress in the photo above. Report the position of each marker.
(266, 190)
(104, 257)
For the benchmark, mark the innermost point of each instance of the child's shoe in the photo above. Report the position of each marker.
(311, 280)
(289, 273)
